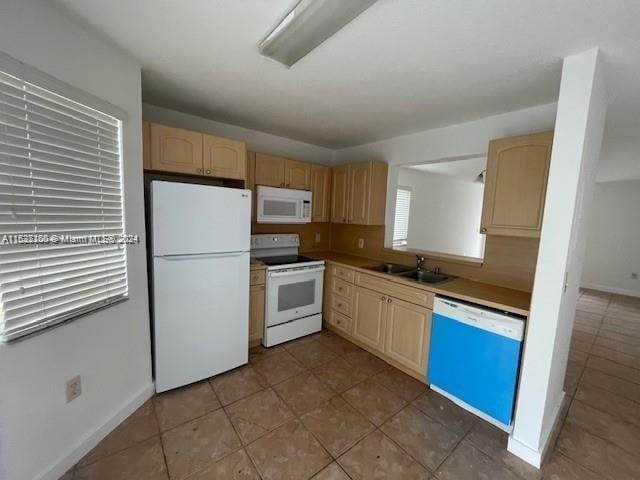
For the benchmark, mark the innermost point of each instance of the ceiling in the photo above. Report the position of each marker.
(465, 170)
(400, 67)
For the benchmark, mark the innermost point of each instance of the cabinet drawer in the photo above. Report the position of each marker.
(256, 277)
(339, 321)
(342, 305)
(342, 288)
(406, 293)
(343, 273)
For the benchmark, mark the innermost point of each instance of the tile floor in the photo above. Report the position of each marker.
(321, 408)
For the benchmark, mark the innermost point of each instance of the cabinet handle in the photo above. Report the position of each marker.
(483, 230)
(208, 172)
(388, 300)
(384, 298)
(282, 184)
(198, 170)
(340, 305)
(288, 185)
(339, 289)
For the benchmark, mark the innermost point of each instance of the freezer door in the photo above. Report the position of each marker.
(201, 317)
(188, 218)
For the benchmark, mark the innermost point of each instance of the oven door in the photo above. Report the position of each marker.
(293, 294)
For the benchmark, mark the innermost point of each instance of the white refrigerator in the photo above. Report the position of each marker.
(200, 286)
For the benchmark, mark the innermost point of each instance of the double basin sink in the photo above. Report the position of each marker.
(410, 273)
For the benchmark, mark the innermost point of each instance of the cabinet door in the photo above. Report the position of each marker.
(340, 194)
(359, 190)
(175, 150)
(408, 332)
(270, 170)
(320, 193)
(516, 185)
(224, 158)
(256, 313)
(146, 145)
(369, 317)
(251, 181)
(297, 175)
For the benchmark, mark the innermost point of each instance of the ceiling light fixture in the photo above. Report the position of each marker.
(309, 24)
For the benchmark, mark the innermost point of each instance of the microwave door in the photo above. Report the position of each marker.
(279, 210)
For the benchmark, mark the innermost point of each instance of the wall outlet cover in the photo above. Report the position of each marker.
(318, 238)
(73, 388)
(361, 243)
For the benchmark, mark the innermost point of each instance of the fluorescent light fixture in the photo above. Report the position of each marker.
(309, 24)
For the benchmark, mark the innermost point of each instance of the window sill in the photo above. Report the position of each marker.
(445, 257)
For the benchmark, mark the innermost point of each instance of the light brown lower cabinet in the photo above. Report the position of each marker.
(370, 310)
(395, 330)
(408, 334)
(256, 314)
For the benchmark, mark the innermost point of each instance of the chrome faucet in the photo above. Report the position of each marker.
(419, 262)
(436, 270)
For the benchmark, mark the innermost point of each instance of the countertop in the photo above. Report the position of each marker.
(501, 298)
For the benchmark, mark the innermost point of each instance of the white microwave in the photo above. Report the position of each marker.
(283, 205)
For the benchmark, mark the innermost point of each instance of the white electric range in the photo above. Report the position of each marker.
(293, 294)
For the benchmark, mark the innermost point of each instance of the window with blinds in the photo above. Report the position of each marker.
(401, 224)
(61, 209)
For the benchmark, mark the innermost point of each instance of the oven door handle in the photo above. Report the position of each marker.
(302, 271)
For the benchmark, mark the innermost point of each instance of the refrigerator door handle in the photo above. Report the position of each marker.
(188, 256)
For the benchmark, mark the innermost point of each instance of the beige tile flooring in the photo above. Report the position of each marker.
(322, 408)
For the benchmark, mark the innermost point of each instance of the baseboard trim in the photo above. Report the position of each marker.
(524, 451)
(532, 455)
(92, 438)
(604, 288)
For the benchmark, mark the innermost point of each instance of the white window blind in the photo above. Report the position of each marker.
(61, 209)
(401, 224)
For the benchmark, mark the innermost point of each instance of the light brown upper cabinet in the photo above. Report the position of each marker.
(297, 175)
(340, 194)
(175, 150)
(359, 193)
(251, 181)
(169, 149)
(320, 193)
(224, 158)
(516, 185)
(146, 145)
(274, 171)
(270, 170)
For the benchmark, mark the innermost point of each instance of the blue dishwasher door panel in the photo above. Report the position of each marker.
(474, 365)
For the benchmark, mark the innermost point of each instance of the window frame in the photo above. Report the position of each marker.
(43, 81)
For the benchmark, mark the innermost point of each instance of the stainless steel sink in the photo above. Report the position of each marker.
(390, 268)
(425, 276)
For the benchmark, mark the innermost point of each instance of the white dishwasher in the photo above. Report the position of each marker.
(474, 358)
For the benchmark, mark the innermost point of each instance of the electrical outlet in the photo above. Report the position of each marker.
(361, 243)
(634, 276)
(73, 388)
(318, 238)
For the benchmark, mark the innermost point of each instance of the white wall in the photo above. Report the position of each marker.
(464, 140)
(40, 435)
(574, 161)
(255, 140)
(455, 142)
(613, 239)
(445, 213)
